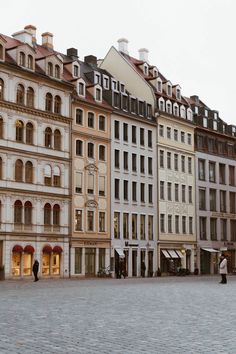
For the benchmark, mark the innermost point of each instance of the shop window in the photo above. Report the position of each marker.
(57, 105)
(30, 97)
(30, 62)
(20, 94)
(27, 264)
(19, 131)
(16, 263)
(19, 171)
(57, 139)
(101, 258)
(28, 213)
(1, 128)
(47, 214)
(56, 264)
(57, 71)
(29, 172)
(29, 136)
(48, 137)
(56, 176)
(46, 264)
(18, 212)
(56, 215)
(48, 102)
(1, 89)
(78, 260)
(47, 175)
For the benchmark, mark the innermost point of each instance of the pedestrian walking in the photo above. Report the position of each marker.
(35, 270)
(143, 269)
(223, 269)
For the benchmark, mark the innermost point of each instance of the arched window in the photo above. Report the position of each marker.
(1, 128)
(91, 150)
(56, 176)
(19, 171)
(56, 215)
(102, 152)
(29, 136)
(79, 148)
(30, 62)
(22, 59)
(57, 139)
(57, 104)
(176, 110)
(48, 137)
(18, 212)
(19, 131)
(48, 102)
(29, 172)
(50, 69)
(28, 213)
(47, 214)
(1, 89)
(47, 175)
(30, 97)
(20, 94)
(57, 71)
(0, 168)
(1, 52)
(183, 112)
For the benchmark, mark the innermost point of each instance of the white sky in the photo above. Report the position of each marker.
(192, 42)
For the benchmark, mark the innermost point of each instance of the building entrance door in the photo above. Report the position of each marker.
(134, 263)
(90, 254)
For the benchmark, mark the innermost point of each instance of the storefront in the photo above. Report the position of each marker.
(172, 258)
(51, 260)
(209, 260)
(22, 259)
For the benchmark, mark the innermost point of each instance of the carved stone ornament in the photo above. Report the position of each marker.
(91, 168)
(91, 204)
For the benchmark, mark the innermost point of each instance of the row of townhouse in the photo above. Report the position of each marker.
(104, 163)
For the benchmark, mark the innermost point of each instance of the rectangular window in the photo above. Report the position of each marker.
(150, 188)
(202, 198)
(169, 160)
(150, 227)
(202, 223)
(168, 132)
(169, 187)
(134, 227)
(169, 224)
(117, 158)
(190, 165)
(213, 229)
(161, 130)
(117, 188)
(232, 201)
(212, 197)
(149, 165)
(79, 117)
(126, 190)
(142, 227)
(189, 138)
(142, 164)
(175, 134)
(176, 192)
(184, 224)
(201, 170)
(102, 223)
(125, 161)
(223, 229)
(161, 158)
(231, 175)
(177, 224)
(78, 182)
(222, 173)
(90, 180)
(182, 163)
(212, 171)
(78, 220)
(190, 194)
(141, 136)
(162, 223)
(78, 260)
(233, 230)
(125, 225)
(116, 225)
(149, 138)
(133, 105)
(142, 192)
(162, 192)
(101, 186)
(125, 132)
(183, 193)
(134, 191)
(134, 162)
(182, 137)
(90, 220)
(223, 201)
(134, 134)
(102, 123)
(176, 162)
(90, 120)
(190, 225)
(117, 129)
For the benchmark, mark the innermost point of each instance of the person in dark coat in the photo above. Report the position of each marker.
(35, 270)
(143, 269)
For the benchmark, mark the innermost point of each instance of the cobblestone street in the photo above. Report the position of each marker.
(159, 315)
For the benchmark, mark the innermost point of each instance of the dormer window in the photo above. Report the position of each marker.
(57, 71)
(155, 72)
(178, 94)
(189, 114)
(215, 115)
(176, 110)
(122, 88)
(97, 79)
(145, 69)
(206, 113)
(141, 108)
(81, 89)
(50, 69)
(30, 62)
(106, 82)
(168, 108)
(114, 85)
(169, 90)
(161, 105)
(159, 86)
(149, 110)
(76, 71)
(22, 59)
(196, 109)
(98, 95)
(205, 122)
(183, 112)
(125, 102)
(1, 52)
(215, 125)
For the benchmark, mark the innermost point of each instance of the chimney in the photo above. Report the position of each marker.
(32, 29)
(123, 45)
(90, 59)
(143, 54)
(23, 36)
(195, 98)
(72, 52)
(47, 40)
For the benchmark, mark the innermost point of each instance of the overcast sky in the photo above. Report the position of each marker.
(192, 42)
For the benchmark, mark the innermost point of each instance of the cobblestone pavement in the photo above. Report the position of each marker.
(158, 315)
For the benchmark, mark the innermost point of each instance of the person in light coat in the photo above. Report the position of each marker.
(223, 269)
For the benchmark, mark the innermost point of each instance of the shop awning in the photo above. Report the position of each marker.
(166, 254)
(120, 252)
(17, 248)
(29, 249)
(179, 253)
(173, 254)
(212, 250)
(57, 249)
(47, 249)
